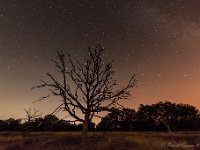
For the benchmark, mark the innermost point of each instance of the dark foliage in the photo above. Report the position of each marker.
(48, 123)
(10, 125)
(162, 116)
(118, 120)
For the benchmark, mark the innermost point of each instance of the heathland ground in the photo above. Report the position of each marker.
(100, 141)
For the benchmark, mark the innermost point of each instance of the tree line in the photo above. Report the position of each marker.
(47, 123)
(162, 116)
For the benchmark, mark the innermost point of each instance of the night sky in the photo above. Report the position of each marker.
(158, 40)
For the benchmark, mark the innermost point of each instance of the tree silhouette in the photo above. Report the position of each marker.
(3, 125)
(166, 113)
(13, 124)
(168, 116)
(118, 120)
(159, 114)
(187, 117)
(49, 122)
(31, 114)
(93, 89)
(110, 122)
(63, 125)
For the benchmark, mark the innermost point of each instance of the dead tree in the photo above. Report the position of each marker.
(92, 88)
(31, 114)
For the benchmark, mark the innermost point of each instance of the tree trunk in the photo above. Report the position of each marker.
(168, 128)
(85, 126)
(166, 123)
(84, 132)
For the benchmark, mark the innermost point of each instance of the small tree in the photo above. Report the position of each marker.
(31, 114)
(93, 89)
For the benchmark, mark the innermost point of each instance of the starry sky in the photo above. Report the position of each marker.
(157, 40)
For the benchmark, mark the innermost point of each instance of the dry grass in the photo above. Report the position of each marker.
(100, 141)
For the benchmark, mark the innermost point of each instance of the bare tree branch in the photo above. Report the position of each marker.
(31, 114)
(93, 87)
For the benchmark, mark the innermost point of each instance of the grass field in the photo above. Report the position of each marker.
(100, 141)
